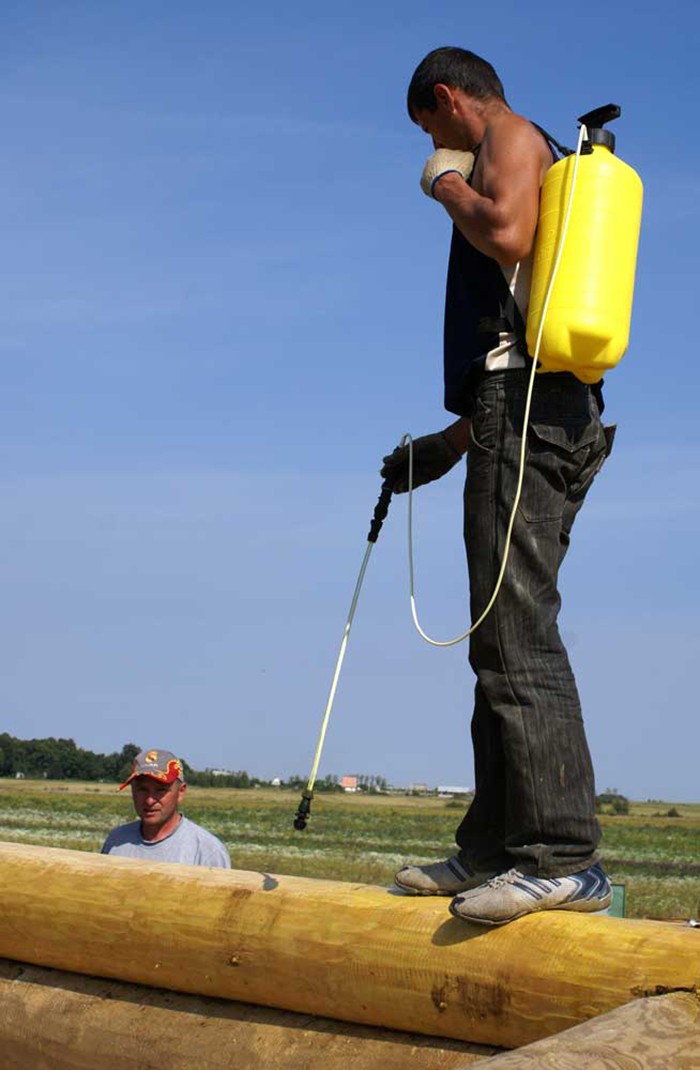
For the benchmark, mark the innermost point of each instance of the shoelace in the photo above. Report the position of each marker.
(505, 878)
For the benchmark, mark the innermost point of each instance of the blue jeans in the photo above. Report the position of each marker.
(534, 806)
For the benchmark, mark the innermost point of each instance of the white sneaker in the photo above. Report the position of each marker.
(440, 878)
(512, 894)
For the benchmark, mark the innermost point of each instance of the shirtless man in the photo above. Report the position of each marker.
(529, 839)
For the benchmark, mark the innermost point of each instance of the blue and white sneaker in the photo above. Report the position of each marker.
(440, 878)
(512, 894)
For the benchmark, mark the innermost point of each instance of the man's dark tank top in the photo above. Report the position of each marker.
(477, 308)
(474, 318)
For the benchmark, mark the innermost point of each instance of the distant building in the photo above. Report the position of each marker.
(418, 789)
(348, 783)
(450, 791)
(221, 772)
(276, 782)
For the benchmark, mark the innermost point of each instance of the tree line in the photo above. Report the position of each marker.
(62, 759)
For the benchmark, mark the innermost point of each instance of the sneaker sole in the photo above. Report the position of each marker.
(571, 907)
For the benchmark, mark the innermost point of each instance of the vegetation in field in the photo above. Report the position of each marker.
(611, 801)
(57, 759)
(62, 759)
(360, 838)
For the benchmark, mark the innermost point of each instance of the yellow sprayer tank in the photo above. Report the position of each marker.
(587, 320)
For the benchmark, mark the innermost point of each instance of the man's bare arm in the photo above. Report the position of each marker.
(498, 215)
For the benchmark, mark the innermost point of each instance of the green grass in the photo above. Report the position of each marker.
(356, 838)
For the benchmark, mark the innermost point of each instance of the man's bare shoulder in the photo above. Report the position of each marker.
(511, 140)
(507, 128)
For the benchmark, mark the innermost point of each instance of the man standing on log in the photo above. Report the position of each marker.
(162, 833)
(528, 841)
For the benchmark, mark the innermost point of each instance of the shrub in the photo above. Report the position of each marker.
(612, 802)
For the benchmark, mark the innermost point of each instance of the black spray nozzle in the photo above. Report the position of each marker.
(595, 120)
(600, 116)
(304, 812)
(380, 511)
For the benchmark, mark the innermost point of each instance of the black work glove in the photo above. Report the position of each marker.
(433, 456)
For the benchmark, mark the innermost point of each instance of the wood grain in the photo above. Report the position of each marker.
(346, 951)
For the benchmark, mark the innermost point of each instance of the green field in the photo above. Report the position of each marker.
(359, 838)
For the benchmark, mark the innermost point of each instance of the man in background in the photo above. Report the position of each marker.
(162, 833)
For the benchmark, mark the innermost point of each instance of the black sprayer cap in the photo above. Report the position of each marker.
(594, 122)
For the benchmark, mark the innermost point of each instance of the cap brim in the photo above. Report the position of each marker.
(151, 776)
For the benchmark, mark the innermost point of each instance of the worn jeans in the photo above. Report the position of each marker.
(534, 806)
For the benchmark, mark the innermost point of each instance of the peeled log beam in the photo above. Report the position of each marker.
(51, 1020)
(657, 1033)
(353, 952)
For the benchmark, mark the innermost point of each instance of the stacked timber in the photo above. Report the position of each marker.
(357, 953)
(52, 1020)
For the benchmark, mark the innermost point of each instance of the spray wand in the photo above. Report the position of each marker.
(380, 512)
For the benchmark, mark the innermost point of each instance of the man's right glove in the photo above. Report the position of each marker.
(433, 456)
(441, 163)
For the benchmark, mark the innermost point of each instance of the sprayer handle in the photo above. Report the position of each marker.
(380, 512)
(596, 119)
(304, 812)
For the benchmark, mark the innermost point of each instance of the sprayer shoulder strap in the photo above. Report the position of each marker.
(562, 150)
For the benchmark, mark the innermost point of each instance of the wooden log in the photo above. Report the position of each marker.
(51, 1020)
(347, 951)
(656, 1033)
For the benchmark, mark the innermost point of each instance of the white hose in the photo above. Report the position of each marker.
(583, 135)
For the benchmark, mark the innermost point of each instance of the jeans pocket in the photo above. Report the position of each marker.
(566, 439)
(558, 453)
(484, 425)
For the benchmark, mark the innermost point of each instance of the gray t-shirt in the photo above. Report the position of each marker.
(189, 843)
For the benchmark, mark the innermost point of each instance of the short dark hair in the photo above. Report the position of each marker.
(457, 68)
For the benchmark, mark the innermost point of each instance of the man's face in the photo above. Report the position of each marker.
(154, 802)
(448, 126)
(440, 128)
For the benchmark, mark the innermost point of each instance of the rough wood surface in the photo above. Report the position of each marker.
(347, 951)
(656, 1033)
(51, 1020)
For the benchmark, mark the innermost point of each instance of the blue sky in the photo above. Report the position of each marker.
(221, 304)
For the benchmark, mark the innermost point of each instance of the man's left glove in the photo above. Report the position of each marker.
(441, 163)
(433, 457)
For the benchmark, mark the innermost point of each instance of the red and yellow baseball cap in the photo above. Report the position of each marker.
(162, 765)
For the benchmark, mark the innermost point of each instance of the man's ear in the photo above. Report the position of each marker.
(181, 792)
(444, 97)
